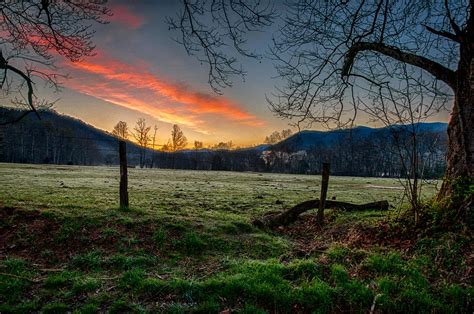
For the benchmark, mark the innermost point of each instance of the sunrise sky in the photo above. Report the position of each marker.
(139, 71)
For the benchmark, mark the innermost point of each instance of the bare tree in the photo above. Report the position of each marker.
(408, 112)
(277, 137)
(342, 57)
(168, 147)
(273, 138)
(178, 140)
(155, 129)
(198, 145)
(363, 56)
(142, 137)
(121, 130)
(153, 157)
(223, 146)
(34, 33)
(232, 21)
(286, 134)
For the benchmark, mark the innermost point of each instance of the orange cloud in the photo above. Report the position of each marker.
(135, 88)
(123, 15)
(116, 94)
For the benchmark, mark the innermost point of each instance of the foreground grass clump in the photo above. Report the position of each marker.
(308, 286)
(187, 246)
(246, 286)
(386, 281)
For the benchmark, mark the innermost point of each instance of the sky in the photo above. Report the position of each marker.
(140, 71)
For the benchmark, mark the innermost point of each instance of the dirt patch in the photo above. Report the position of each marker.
(39, 237)
(309, 237)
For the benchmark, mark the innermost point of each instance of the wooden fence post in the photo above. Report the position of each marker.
(123, 175)
(2, 143)
(324, 192)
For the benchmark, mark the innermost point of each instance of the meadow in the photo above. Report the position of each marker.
(186, 244)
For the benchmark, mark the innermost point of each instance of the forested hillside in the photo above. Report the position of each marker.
(361, 151)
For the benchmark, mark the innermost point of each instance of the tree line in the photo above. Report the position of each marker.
(142, 135)
(63, 140)
(50, 140)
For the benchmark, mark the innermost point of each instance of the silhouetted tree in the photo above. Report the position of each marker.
(121, 130)
(277, 137)
(153, 157)
(198, 145)
(231, 22)
(365, 56)
(286, 134)
(33, 33)
(155, 129)
(142, 137)
(178, 140)
(168, 147)
(273, 138)
(223, 145)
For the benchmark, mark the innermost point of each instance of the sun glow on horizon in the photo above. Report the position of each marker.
(136, 88)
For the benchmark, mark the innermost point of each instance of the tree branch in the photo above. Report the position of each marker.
(457, 30)
(437, 70)
(448, 35)
(4, 65)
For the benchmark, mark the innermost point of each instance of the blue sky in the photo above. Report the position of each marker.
(139, 71)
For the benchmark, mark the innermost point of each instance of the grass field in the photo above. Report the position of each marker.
(187, 245)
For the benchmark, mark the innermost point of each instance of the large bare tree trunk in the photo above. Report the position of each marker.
(460, 163)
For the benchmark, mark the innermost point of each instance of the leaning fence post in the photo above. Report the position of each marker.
(324, 192)
(123, 175)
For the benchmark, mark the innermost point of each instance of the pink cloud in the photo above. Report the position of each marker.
(136, 88)
(124, 15)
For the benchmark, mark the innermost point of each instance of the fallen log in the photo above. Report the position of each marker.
(285, 218)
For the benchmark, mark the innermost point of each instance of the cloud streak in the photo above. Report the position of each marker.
(136, 88)
(124, 15)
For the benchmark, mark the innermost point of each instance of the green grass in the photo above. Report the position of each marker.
(208, 197)
(186, 244)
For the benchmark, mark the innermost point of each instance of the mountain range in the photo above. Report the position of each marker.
(61, 139)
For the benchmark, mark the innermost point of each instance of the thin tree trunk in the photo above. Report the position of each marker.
(414, 169)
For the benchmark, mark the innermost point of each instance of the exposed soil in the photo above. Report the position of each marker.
(42, 239)
(29, 234)
(310, 237)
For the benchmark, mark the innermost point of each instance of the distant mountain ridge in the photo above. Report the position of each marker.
(361, 151)
(306, 139)
(299, 141)
(46, 137)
